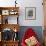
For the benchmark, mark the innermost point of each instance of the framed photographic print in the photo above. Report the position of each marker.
(30, 13)
(5, 12)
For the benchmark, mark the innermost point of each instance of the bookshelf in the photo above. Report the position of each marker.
(6, 24)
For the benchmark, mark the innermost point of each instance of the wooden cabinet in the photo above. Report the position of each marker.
(7, 25)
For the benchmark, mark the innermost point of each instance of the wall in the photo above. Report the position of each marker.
(27, 3)
(39, 13)
(37, 24)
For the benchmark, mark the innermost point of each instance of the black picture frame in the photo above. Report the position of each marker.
(30, 13)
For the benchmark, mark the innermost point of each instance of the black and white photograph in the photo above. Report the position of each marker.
(30, 13)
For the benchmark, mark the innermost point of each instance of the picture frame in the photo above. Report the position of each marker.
(13, 12)
(30, 13)
(5, 12)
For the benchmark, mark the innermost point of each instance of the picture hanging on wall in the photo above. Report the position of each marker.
(30, 13)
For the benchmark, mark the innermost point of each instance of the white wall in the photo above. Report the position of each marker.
(39, 13)
(27, 3)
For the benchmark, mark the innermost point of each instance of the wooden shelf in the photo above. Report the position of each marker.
(10, 26)
(11, 41)
(4, 13)
(9, 8)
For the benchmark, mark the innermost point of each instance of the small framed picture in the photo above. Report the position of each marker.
(30, 13)
(5, 12)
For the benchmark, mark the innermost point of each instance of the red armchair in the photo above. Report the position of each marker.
(29, 34)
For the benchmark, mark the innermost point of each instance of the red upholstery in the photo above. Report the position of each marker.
(29, 33)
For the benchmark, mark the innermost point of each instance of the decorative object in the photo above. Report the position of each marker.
(15, 30)
(6, 21)
(5, 12)
(31, 41)
(13, 12)
(15, 3)
(15, 37)
(30, 38)
(30, 13)
(7, 34)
